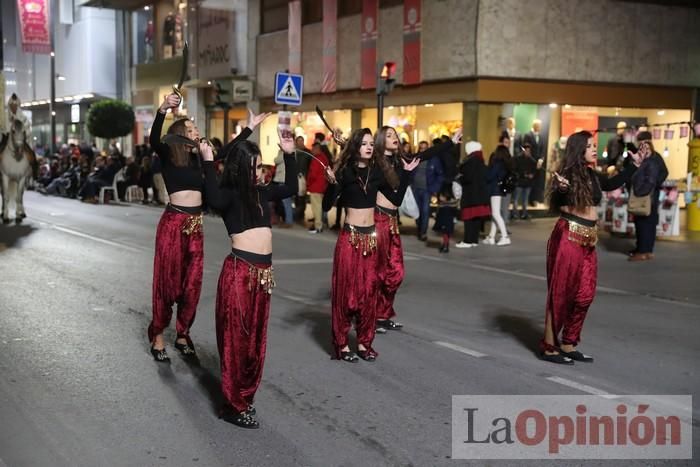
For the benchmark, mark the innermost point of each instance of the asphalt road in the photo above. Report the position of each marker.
(79, 387)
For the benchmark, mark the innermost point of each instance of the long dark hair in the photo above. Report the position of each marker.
(350, 156)
(179, 153)
(386, 165)
(574, 168)
(500, 154)
(240, 173)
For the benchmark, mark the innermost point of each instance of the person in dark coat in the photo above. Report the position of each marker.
(647, 180)
(474, 203)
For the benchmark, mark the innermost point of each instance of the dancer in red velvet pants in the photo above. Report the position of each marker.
(572, 264)
(179, 250)
(246, 280)
(390, 267)
(359, 175)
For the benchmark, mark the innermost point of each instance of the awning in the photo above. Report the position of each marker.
(118, 4)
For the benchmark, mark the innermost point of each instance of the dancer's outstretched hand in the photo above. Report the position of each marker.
(457, 137)
(286, 143)
(255, 120)
(410, 165)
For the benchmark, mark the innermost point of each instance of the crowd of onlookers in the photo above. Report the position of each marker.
(81, 171)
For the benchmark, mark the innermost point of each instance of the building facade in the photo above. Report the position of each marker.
(570, 65)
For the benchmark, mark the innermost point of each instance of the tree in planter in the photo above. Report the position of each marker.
(110, 119)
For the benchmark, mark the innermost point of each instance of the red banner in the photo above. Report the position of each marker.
(295, 36)
(411, 41)
(370, 16)
(330, 42)
(34, 24)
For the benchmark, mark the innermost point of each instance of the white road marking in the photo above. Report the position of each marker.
(511, 272)
(97, 239)
(582, 387)
(461, 349)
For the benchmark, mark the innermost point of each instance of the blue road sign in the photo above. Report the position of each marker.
(289, 88)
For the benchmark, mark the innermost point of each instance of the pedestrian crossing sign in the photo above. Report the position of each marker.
(288, 88)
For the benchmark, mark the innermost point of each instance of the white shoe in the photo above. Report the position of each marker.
(474, 245)
(489, 241)
(504, 241)
(464, 245)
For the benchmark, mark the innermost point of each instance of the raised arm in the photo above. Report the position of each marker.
(395, 197)
(253, 121)
(171, 101)
(290, 187)
(613, 183)
(446, 146)
(291, 178)
(217, 197)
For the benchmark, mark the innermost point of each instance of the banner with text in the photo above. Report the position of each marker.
(34, 25)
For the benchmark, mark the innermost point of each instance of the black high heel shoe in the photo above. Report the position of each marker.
(557, 358)
(367, 355)
(578, 356)
(185, 349)
(348, 357)
(389, 324)
(160, 355)
(241, 419)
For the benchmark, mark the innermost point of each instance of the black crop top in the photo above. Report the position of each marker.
(181, 178)
(600, 183)
(359, 193)
(227, 200)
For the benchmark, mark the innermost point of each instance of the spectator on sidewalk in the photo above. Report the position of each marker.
(427, 181)
(525, 170)
(474, 203)
(647, 181)
(316, 185)
(278, 179)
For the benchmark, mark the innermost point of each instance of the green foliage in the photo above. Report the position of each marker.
(110, 118)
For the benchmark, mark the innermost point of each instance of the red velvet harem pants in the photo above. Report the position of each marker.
(353, 291)
(242, 313)
(177, 273)
(572, 273)
(390, 268)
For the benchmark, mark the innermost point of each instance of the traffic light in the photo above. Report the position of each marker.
(221, 94)
(386, 80)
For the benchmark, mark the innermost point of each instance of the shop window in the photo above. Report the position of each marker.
(143, 38)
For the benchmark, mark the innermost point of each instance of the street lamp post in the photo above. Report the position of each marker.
(52, 74)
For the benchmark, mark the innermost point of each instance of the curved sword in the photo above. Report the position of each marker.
(183, 72)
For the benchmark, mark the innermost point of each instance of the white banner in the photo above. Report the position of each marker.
(572, 427)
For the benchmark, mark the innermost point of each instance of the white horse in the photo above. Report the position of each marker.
(16, 159)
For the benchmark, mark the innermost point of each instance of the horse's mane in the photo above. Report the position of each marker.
(3, 141)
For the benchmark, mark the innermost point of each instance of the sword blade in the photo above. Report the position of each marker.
(323, 119)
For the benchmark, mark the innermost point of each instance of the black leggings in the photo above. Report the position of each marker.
(471, 230)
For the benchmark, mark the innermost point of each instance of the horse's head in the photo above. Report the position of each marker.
(17, 132)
